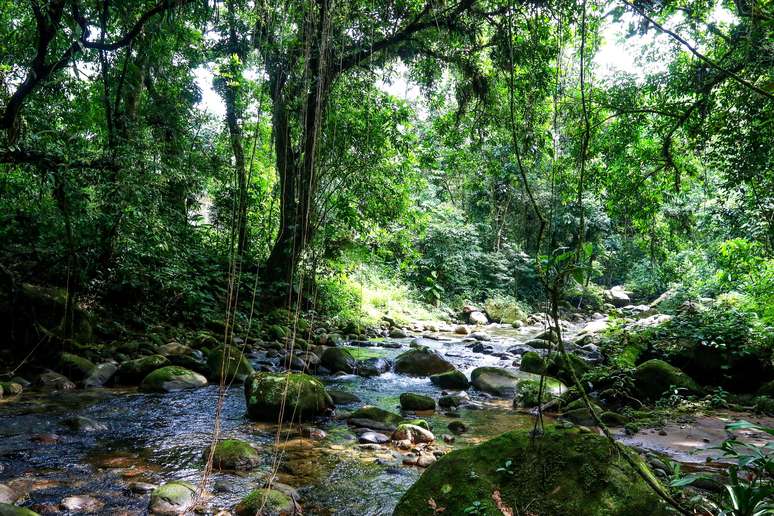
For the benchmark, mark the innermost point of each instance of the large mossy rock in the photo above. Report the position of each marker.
(133, 371)
(338, 359)
(305, 397)
(74, 366)
(504, 311)
(413, 401)
(375, 418)
(233, 455)
(266, 502)
(561, 473)
(532, 362)
(654, 377)
(421, 362)
(172, 498)
(495, 380)
(236, 367)
(454, 379)
(172, 378)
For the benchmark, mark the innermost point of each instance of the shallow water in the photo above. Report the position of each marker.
(160, 437)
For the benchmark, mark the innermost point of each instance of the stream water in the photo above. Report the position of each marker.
(153, 438)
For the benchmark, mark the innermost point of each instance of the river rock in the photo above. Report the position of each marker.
(413, 433)
(617, 296)
(494, 380)
(11, 388)
(172, 498)
(457, 427)
(414, 402)
(7, 495)
(338, 359)
(592, 476)
(84, 424)
(305, 397)
(480, 335)
(81, 504)
(425, 460)
(454, 379)
(233, 455)
(141, 487)
(453, 400)
(375, 418)
(398, 333)
(172, 378)
(461, 330)
(421, 362)
(75, 366)
(373, 366)
(478, 318)
(538, 344)
(100, 375)
(340, 397)
(133, 371)
(267, 502)
(653, 377)
(236, 366)
(531, 362)
(372, 438)
(55, 382)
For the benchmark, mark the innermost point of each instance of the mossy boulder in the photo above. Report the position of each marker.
(421, 362)
(236, 365)
(557, 366)
(562, 472)
(172, 498)
(341, 397)
(576, 412)
(172, 378)
(454, 379)
(532, 362)
(277, 332)
(305, 397)
(133, 371)
(233, 455)
(10, 388)
(413, 401)
(338, 359)
(7, 509)
(74, 366)
(495, 380)
(267, 502)
(375, 418)
(504, 311)
(654, 377)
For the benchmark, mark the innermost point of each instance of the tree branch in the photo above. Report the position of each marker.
(701, 56)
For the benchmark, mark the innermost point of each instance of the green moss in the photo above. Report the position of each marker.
(178, 494)
(305, 396)
(654, 377)
(532, 362)
(557, 367)
(133, 371)
(365, 353)
(234, 454)
(377, 414)
(562, 472)
(75, 366)
(451, 380)
(421, 423)
(265, 501)
(413, 401)
(170, 378)
(277, 332)
(237, 366)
